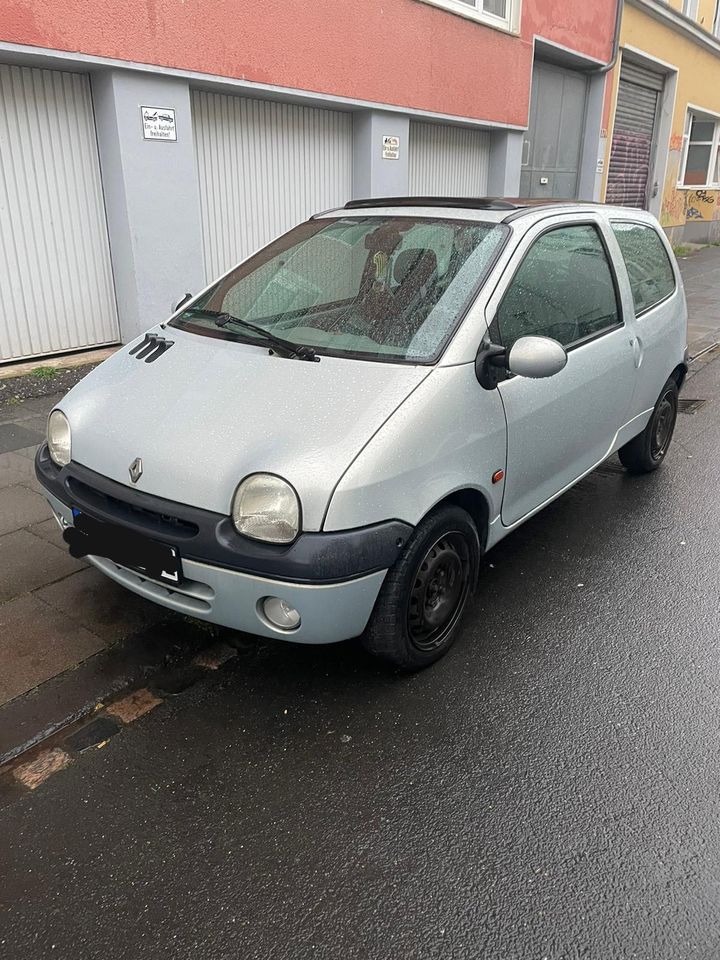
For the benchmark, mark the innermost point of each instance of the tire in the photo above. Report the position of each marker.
(417, 615)
(645, 452)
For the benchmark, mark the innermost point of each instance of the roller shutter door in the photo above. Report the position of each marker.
(263, 167)
(631, 156)
(448, 161)
(56, 292)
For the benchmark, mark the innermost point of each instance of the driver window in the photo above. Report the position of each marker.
(563, 289)
(325, 269)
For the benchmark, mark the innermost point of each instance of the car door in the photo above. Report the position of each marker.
(660, 324)
(561, 284)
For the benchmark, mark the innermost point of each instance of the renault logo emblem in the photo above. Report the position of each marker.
(136, 469)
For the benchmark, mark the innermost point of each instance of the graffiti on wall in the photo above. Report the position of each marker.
(673, 206)
(678, 205)
(681, 206)
(629, 169)
(700, 205)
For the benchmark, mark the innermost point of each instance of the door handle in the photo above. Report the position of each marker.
(637, 349)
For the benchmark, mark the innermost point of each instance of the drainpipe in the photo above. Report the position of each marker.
(607, 67)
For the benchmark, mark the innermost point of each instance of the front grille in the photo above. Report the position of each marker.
(116, 510)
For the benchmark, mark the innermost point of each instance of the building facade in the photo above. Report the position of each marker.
(146, 147)
(664, 113)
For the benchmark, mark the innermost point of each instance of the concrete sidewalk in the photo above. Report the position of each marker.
(701, 276)
(57, 612)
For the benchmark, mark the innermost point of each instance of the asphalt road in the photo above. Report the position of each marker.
(551, 789)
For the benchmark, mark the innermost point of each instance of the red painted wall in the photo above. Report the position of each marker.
(585, 26)
(392, 51)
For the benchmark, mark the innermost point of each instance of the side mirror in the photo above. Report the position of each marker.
(536, 357)
(188, 296)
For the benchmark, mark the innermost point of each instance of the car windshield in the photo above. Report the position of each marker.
(390, 288)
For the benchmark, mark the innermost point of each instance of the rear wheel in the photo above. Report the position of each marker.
(419, 608)
(646, 452)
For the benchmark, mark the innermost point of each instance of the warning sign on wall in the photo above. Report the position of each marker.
(158, 123)
(391, 148)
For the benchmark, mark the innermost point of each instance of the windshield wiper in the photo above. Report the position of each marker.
(299, 351)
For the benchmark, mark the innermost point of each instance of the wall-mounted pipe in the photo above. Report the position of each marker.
(606, 67)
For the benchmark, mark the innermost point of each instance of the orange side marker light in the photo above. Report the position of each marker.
(498, 476)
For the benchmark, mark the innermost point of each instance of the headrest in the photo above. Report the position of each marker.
(418, 260)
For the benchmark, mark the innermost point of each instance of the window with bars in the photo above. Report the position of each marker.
(701, 167)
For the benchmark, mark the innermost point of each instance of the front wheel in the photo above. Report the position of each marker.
(646, 452)
(420, 605)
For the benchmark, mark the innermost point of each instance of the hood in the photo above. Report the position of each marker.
(207, 412)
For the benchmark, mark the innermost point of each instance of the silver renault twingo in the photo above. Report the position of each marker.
(323, 443)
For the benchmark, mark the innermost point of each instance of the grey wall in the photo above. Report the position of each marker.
(505, 160)
(373, 176)
(696, 231)
(151, 197)
(589, 178)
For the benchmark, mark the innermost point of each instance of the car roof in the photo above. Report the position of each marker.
(488, 209)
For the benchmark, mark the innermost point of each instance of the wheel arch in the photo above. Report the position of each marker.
(679, 374)
(474, 502)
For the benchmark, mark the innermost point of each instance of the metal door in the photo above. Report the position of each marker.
(553, 142)
(632, 154)
(264, 167)
(448, 161)
(56, 287)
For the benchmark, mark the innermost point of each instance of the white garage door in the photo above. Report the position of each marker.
(56, 288)
(448, 161)
(263, 167)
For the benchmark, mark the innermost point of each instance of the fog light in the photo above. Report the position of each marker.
(280, 614)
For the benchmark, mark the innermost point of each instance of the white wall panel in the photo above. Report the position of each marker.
(263, 167)
(56, 288)
(448, 161)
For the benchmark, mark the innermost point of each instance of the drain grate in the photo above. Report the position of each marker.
(686, 405)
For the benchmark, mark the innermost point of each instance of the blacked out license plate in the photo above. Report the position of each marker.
(146, 556)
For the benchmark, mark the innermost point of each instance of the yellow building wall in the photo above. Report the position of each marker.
(698, 83)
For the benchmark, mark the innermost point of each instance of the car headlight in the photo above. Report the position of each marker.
(58, 438)
(266, 507)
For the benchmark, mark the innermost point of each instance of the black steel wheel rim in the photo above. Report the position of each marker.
(663, 427)
(439, 591)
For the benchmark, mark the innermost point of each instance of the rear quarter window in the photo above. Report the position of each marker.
(648, 265)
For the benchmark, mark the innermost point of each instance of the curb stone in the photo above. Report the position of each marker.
(28, 770)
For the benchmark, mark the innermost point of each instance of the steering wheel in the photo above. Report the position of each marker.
(564, 331)
(355, 328)
(565, 328)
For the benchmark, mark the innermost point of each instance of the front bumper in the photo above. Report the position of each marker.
(334, 597)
